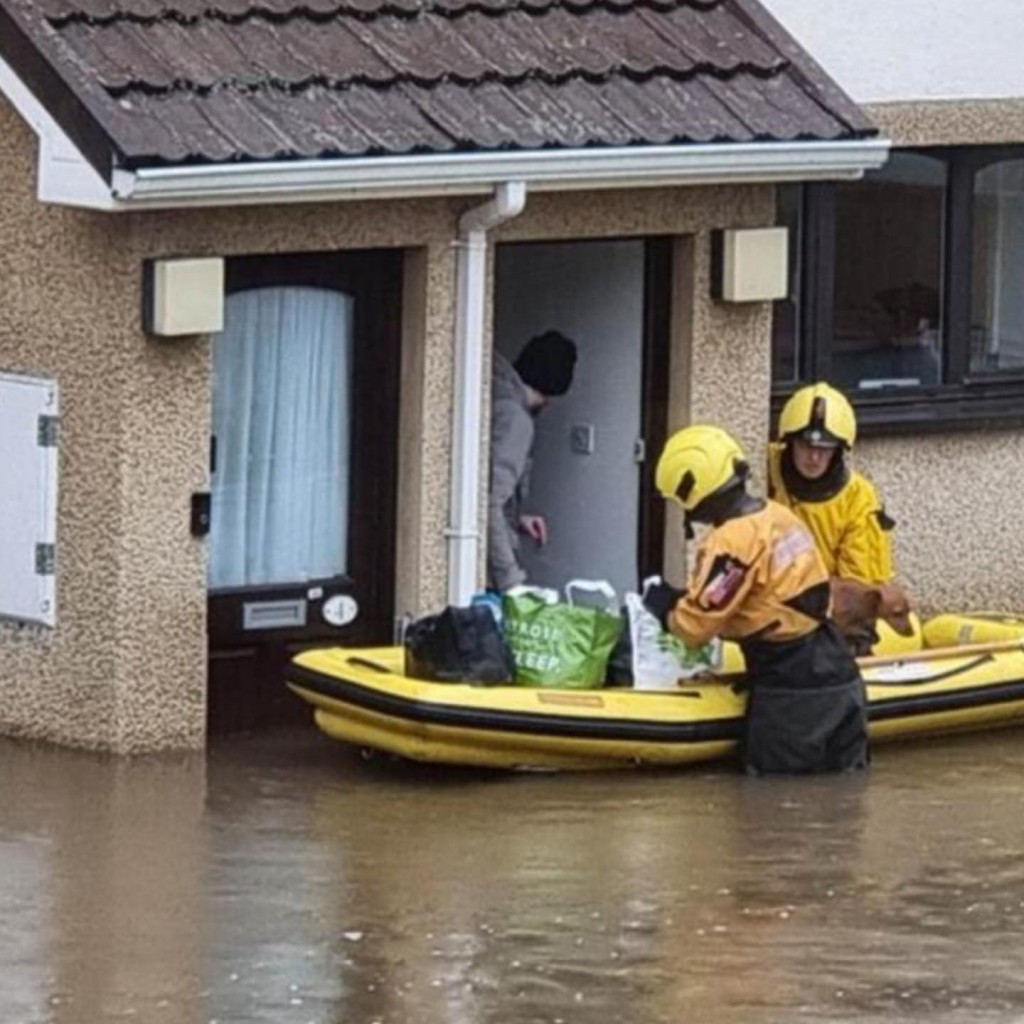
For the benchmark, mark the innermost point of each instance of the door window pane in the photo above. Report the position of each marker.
(888, 284)
(786, 325)
(282, 424)
(997, 321)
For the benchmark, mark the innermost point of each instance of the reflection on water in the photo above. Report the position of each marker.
(285, 879)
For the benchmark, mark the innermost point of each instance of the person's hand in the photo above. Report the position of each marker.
(659, 599)
(535, 527)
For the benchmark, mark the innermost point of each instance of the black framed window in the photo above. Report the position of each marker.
(907, 289)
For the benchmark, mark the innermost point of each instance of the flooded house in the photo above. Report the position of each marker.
(257, 256)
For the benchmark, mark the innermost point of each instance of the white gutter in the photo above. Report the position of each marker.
(463, 533)
(478, 173)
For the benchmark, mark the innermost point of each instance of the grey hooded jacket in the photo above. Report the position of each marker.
(511, 441)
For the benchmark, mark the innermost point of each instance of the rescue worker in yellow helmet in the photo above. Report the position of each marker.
(808, 472)
(759, 580)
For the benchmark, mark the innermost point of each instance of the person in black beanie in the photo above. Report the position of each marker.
(543, 370)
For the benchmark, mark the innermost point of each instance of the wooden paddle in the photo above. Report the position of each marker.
(934, 654)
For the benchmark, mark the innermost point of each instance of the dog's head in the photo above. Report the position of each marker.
(894, 608)
(855, 609)
(857, 606)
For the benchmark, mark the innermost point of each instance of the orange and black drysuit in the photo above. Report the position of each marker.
(759, 580)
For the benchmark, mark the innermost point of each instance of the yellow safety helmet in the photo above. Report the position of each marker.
(697, 462)
(820, 415)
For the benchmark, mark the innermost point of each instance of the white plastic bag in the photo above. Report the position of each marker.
(601, 588)
(659, 659)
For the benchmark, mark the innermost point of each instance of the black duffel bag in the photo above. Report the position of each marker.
(461, 645)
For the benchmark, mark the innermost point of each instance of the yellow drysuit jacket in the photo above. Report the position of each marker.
(850, 527)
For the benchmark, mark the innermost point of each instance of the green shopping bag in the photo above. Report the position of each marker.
(560, 644)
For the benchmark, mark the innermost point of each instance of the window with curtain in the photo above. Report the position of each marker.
(281, 428)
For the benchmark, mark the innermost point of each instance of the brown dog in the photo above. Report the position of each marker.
(856, 607)
(895, 609)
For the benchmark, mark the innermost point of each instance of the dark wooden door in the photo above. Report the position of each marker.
(656, 372)
(303, 458)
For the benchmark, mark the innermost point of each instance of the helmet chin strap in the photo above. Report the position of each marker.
(730, 502)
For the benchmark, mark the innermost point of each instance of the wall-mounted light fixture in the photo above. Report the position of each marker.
(183, 296)
(750, 264)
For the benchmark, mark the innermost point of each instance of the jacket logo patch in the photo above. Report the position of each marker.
(790, 547)
(723, 582)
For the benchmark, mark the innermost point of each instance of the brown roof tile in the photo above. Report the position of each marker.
(167, 81)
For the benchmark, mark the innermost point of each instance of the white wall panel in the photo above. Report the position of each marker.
(28, 499)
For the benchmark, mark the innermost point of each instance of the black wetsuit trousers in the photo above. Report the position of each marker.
(807, 710)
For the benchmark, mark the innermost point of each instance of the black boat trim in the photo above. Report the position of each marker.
(497, 720)
(952, 700)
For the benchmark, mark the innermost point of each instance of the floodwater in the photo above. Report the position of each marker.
(283, 878)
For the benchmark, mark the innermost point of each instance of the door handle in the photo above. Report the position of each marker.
(199, 514)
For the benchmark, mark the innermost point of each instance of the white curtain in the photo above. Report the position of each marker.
(282, 423)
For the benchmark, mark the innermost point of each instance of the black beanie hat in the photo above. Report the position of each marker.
(546, 363)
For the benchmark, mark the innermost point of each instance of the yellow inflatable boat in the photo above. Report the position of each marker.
(971, 628)
(362, 697)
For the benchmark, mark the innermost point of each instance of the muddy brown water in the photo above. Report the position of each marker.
(284, 879)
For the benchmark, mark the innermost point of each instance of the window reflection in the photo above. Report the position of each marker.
(888, 283)
(997, 322)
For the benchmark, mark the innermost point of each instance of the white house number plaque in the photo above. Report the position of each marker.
(340, 610)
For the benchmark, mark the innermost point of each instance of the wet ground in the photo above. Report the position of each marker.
(282, 878)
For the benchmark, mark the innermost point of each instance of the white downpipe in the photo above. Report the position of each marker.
(463, 533)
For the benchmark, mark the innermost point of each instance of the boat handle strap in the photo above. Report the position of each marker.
(376, 666)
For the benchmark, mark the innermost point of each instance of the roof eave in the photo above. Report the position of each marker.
(66, 176)
(404, 177)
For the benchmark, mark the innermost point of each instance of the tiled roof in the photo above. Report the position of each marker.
(173, 81)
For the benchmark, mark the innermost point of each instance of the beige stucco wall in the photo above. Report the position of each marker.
(125, 668)
(950, 122)
(956, 499)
